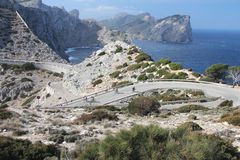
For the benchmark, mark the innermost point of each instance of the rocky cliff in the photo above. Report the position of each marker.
(174, 29)
(18, 42)
(61, 29)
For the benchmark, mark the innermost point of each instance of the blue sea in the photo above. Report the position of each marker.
(208, 47)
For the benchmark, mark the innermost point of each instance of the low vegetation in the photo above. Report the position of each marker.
(119, 49)
(28, 101)
(217, 72)
(142, 57)
(175, 66)
(191, 107)
(12, 149)
(164, 61)
(5, 114)
(232, 118)
(96, 115)
(152, 142)
(142, 77)
(97, 82)
(115, 74)
(226, 103)
(143, 106)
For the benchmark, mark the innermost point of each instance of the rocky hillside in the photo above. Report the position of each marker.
(119, 63)
(18, 42)
(61, 29)
(174, 29)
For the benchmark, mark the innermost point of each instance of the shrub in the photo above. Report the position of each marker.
(162, 72)
(122, 83)
(89, 64)
(19, 133)
(5, 114)
(191, 107)
(29, 100)
(195, 74)
(144, 65)
(109, 108)
(150, 76)
(152, 142)
(60, 75)
(226, 103)
(192, 117)
(195, 93)
(134, 67)
(28, 67)
(151, 69)
(142, 106)
(175, 66)
(164, 61)
(170, 76)
(97, 115)
(217, 71)
(12, 149)
(115, 74)
(182, 75)
(3, 106)
(232, 118)
(26, 80)
(142, 57)
(97, 82)
(102, 53)
(142, 77)
(119, 49)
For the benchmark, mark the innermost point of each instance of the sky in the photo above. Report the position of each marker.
(205, 14)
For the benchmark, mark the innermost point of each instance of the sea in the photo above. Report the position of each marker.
(208, 47)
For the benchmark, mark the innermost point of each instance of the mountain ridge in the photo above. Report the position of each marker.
(173, 29)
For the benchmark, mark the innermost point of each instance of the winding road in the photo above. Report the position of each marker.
(110, 97)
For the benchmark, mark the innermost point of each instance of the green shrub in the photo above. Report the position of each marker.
(217, 71)
(119, 49)
(182, 75)
(102, 53)
(164, 61)
(195, 74)
(122, 83)
(171, 76)
(89, 64)
(5, 114)
(19, 133)
(115, 74)
(192, 117)
(26, 80)
(122, 66)
(96, 115)
(154, 143)
(144, 65)
(109, 108)
(29, 100)
(195, 93)
(142, 106)
(4, 106)
(142, 57)
(150, 76)
(12, 149)
(60, 75)
(191, 107)
(175, 66)
(226, 103)
(97, 82)
(134, 67)
(28, 67)
(162, 72)
(232, 118)
(142, 77)
(151, 69)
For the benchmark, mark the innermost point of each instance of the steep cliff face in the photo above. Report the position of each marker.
(174, 29)
(18, 42)
(61, 29)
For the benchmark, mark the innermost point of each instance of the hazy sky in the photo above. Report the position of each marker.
(205, 14)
